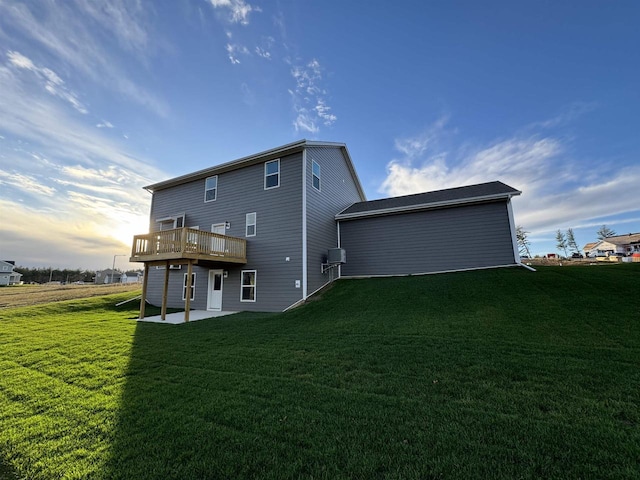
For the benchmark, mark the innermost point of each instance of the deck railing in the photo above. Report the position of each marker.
(187, 243)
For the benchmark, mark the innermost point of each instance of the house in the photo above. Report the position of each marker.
(132, 276)
(7, 274)
(621, 245)
(108, 276)
(266, 231)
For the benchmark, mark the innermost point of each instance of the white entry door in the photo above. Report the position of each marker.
(214, 297)
(217, 244)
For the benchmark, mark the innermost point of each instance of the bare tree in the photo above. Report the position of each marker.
(571, 241)
(561, 242)
(605, 232)
(523, 241)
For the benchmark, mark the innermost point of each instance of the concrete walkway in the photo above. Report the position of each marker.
(178, 317)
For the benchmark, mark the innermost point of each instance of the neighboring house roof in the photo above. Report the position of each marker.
(265, 156)
(624, 239)
(589, 246)
(421, 201)
(618, 240)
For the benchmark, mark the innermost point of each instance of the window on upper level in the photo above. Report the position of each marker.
(211, 188)
(272, 174)
(248, 287)
(315, 175)
(251, 224)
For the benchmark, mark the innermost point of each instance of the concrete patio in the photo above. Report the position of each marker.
(178, 317)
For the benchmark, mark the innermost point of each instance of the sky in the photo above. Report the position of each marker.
(100, 98)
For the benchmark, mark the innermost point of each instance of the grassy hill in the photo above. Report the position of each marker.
(487, 374)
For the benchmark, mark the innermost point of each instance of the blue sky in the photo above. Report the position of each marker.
(98, 99)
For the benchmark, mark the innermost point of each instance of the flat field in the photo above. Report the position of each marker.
(26, 295)
(489, 374)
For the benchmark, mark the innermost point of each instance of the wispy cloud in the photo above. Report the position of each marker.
(234, 50)
(237, 10)
(48, 79)
(67, 31)
(26, 183)
(76, 242)
(263, 53)
(308, 98)
(553, 197)
(567, 115)
(104, 124)
(75, 183)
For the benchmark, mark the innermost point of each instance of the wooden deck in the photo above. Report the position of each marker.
(187, 245)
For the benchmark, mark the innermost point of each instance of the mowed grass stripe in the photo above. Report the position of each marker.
(492, 374)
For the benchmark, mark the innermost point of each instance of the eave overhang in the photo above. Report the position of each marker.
(425, 206)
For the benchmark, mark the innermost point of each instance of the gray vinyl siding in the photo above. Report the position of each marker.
(337, 191)
(473, 236)
(278, 235)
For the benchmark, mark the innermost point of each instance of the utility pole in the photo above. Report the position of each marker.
(113, 267)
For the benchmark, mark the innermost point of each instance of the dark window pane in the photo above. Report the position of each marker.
(272, 167)
(272, 180)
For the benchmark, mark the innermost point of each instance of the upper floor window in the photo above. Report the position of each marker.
(211, 189)
(251, 224)
(315, 175)
(272, 174)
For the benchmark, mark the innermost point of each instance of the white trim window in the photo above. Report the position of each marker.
(251, 225)
(211, 189)
(248, 286)
(315, 175)
(193, 287)
(272, 174)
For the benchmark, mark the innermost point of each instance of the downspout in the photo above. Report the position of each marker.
(304, 224)
(514, 240)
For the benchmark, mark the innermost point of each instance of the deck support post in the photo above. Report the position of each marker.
(143, 297)
(165, 292)
(187, 296)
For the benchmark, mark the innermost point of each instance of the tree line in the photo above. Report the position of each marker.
(565, 241)
(44, 275)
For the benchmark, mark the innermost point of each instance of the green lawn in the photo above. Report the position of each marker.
(488, 374)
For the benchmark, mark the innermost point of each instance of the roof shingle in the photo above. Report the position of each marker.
(438, 198)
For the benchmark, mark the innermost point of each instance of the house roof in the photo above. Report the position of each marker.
(482, 192)
(589, 246)
(265, 156)
(623, 239)
(628, 239)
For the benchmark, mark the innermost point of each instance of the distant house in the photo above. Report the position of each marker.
(266, 231)
(132, 276)
(108, 276)
(624, 245)
(7, 274)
